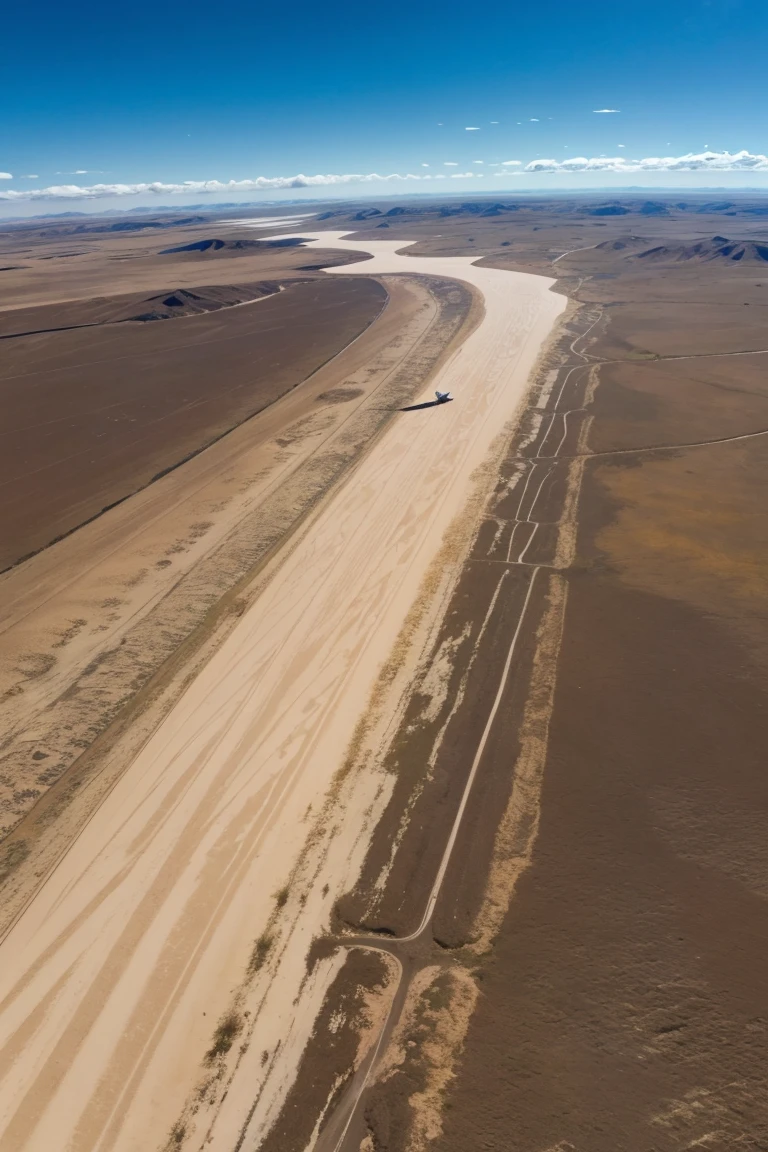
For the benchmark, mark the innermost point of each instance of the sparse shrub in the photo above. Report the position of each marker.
(261, 950)
(224, 1037)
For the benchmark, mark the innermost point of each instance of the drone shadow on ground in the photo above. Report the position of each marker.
(427, 404)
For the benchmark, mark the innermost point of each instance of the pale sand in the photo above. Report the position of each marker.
(110, 575)
(150, 919)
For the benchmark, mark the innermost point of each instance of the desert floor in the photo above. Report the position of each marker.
(378, 779)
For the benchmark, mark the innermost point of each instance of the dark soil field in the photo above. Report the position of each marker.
(623, 1006)
(94, 413)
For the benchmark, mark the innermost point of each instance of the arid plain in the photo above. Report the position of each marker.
(376, 779)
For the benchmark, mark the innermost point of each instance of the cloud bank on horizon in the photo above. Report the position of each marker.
(692, 162)
(743, 161)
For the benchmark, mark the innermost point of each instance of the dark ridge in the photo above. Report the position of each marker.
(366, 213)
(131, 226)
(198, 246)
(477, 209)
(654, 208)
(609, 210)
(184, 302)
(718, 248)
(120, 226)
(287, 242)
(620, 243)
(44, 331)
(659, 250)
(178, 301)
(168, 305)
(215, 245)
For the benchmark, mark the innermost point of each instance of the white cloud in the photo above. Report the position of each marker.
(471, 129)
(425, 165)
(692, 162)
(534, 120)
(31, 176)
(621, 145)
(602, 111)
(202, 187)
(494, 121)
(478, 161)
(6, 176)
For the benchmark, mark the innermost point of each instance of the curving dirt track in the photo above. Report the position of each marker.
(113, 978)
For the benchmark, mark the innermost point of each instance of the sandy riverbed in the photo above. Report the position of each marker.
(114, 977)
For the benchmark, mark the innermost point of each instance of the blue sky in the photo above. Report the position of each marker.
(101, 95)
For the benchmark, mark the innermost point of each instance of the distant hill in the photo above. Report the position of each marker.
(610, 210)
(716, 248)
(185, 302)
(105, 226)
(623, 243)
(217, 245)
(198, 246)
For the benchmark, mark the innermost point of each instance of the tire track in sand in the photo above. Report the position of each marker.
(153, 914)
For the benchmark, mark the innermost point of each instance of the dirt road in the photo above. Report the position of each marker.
(115, 976)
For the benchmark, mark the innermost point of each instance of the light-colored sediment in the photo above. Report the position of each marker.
(66, 610)
(113, 979)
